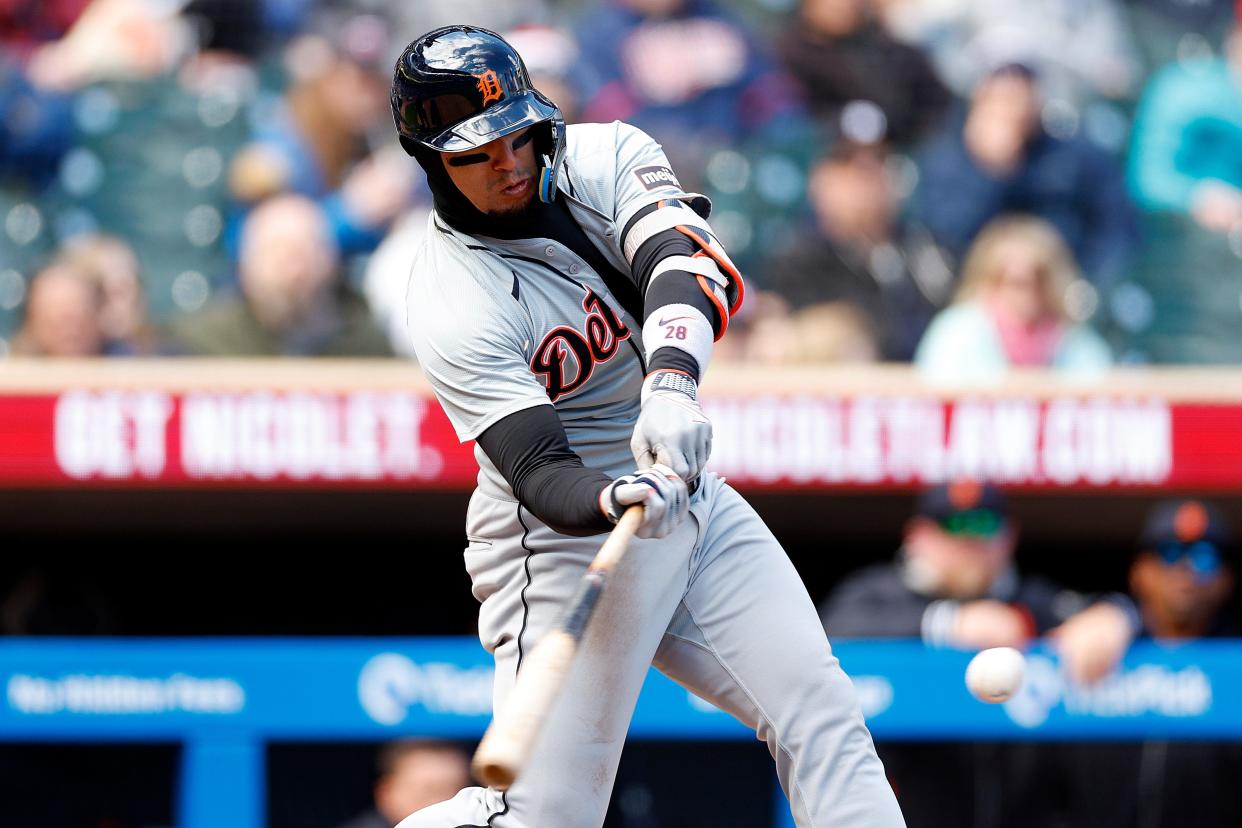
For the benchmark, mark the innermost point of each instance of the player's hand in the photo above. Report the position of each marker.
(671, 428)
(662, 493)
(979, 625)
(1092, 642)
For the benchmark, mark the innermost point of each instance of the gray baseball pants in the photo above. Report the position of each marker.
(717, 607)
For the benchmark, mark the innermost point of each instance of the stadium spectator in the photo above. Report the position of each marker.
(760, 333)
(412, 19)
(111, 262)
(1018, 306)
(36, 129)
(551, 56)
(1167, 30)
(1184, 173)
(292, 301)
(841, 56)
(110, 40)
(63, 312)
(316, 142)
(862, 252)
(998, 158)
(686, 71)
(769, 333)
(412, 775)
(954, 584)
(833, 333)
(160, 103)
(1188, 136)
(26, 24)
(388, 272)
(1182, 578)
(1083, 48)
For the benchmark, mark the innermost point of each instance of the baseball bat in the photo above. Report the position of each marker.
(507, 744)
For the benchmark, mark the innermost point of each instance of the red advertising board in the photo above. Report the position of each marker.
(142, 436)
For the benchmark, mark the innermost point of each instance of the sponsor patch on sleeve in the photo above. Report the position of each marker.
(655, 177)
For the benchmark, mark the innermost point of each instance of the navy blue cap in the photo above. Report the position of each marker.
(1184, 520)
(965, 507)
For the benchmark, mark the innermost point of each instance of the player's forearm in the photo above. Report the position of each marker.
(565, 495)
(532, 453)
(668, 304)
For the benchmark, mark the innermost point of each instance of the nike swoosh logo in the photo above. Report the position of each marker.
(674, 319)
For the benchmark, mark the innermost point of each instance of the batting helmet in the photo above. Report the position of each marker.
(459, 87)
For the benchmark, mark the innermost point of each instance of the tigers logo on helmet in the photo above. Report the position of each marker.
(489, 85)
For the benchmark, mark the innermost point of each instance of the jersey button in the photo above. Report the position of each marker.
(550, 250)
(573, 268)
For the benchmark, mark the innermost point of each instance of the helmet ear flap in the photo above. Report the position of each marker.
(551, 151)
(408, 144)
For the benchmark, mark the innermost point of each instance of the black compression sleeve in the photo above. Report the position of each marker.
(531, 451)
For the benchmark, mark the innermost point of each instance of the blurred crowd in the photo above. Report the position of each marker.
(966, 186)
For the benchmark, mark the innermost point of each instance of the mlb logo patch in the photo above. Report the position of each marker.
(654, 177)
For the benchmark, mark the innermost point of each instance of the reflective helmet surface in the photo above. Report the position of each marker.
(459, 87)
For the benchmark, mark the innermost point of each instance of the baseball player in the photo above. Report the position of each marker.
(563, 306)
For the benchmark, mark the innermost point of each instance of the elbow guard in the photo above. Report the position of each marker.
(710, 265)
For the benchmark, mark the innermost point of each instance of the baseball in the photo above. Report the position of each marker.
(995, 674)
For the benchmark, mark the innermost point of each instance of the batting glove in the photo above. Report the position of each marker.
(671, 428)
(662, 493)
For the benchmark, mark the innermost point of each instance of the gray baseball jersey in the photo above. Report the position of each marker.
(502, 325)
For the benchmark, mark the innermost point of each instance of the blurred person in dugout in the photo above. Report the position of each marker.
(413, 774)
(860, 250)
(1020, 304)
(1182, 578)
(840, 55)
(954, 584)
(292, 300)
(997, 157)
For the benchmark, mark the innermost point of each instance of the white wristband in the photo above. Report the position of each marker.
(683, 327)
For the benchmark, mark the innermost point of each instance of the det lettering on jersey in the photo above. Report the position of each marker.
(655, 177)
(566, 357)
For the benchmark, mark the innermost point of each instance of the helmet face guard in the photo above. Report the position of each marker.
(460, 87)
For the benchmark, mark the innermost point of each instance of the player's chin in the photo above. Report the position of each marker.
(515, 199)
